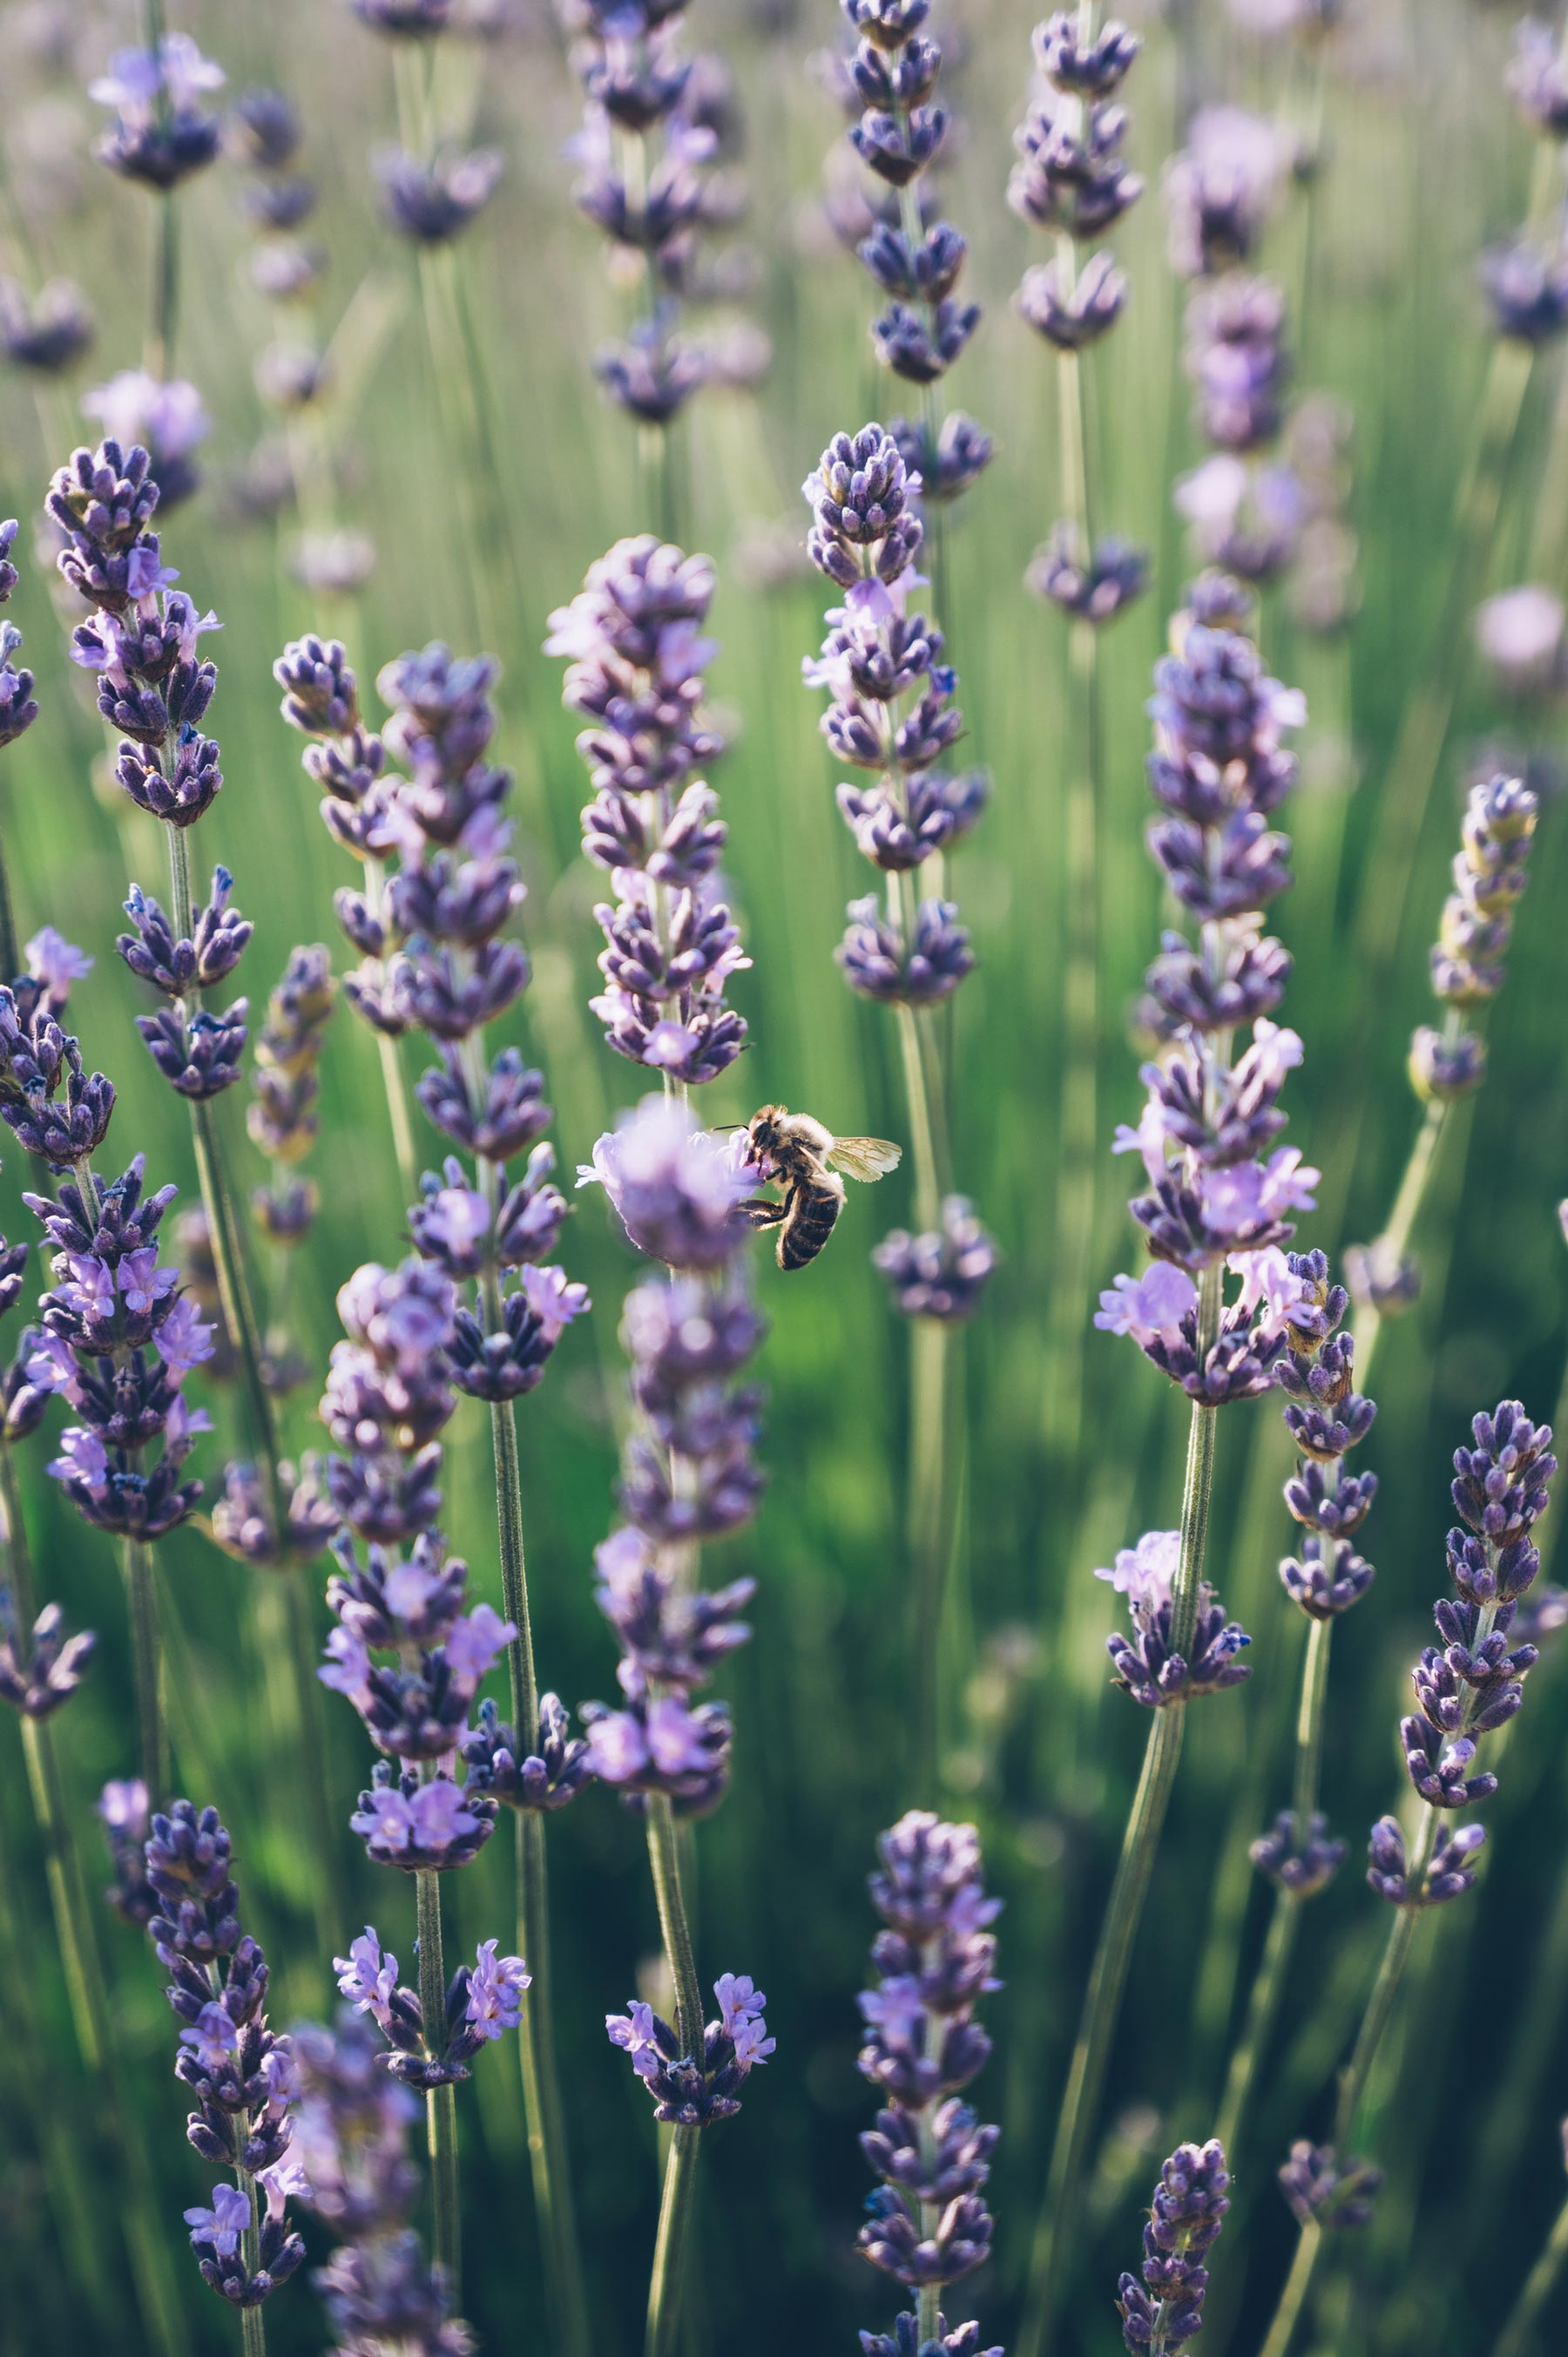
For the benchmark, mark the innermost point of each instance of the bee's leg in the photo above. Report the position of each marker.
(761, 1213)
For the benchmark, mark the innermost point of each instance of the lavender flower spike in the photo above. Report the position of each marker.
(1165, 2311)
(928, 2225)
(240, 2075)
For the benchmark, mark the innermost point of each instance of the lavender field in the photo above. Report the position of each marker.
(783, 832)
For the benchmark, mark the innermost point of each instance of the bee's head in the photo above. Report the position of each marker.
(764, 1128)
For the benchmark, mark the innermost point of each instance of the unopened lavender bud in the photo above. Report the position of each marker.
(432, 204)
(943, 1274)
(198, 1056)
(1190, 2203)
(1302, 1867)
(1073, 319)
(1527, 292)
(879, 962)
(1094, 591)
(1321, 2194)
(48, 333)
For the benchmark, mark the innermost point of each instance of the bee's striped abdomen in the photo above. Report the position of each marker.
(808, 1224)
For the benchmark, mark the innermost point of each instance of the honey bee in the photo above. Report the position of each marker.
(801, 1157)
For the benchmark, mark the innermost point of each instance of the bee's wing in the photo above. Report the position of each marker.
(864, 1158)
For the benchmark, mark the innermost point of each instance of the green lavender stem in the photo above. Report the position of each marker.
(1353, 2083)
(549, 2162)
(142, 1605)
(1517, 2335)
(664, 2288)
(1262, 2012)
(926, 1515)
(253, 2330)
(1056, 2234)
(440, 2108)
(1396, 1236)
(675, 2211)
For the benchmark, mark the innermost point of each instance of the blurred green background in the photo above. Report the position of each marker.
(1424, 162)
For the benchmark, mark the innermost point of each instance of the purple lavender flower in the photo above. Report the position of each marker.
(431, 202)
(48, 334)
(676, 1187)
(688, 2093)
(1165, 2310)
(1147, 1668)
(1320, 2192)
(636, 652)
(1221, 190)
(547, 1778)
(928, 2224)
(240, 2073)
(159, 137)
(41, 1667)
(123, 1811)
(942, 1274)
(351, 2137)
(483, 2001)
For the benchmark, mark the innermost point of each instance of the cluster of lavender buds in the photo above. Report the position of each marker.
(1326, 1418)
(892, 716)
(155, 686)
(1524, 280)
(1219, 1187)
(40, 1667)
(1246, 507)
(686, 2092)
(51, 1103)
(264, 137)
(387, 1394)
(1474, 1682)
(484, 2000)
(428, 198)
(1490, 870)
(161, 134)
(1071, 181)
(654, 179)
(1320, 2192)
(633, 642)
(916, 257)
(1146, 1667)
(689, 1474)
(241, 2075)
(119, 1337)
(351, 2131)
(1165, 2311)
(125, 1810)
(48, 333)
(927, 2224)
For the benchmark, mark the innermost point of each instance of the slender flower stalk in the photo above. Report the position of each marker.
(241, 2075)
(1490, 871)
(1215, 1204)
(688, 1477)
(1469, 1689)
(1326, 1418)
(452, 970)
(657, 177)
(116, 1338)
(160, 136)
(892, 715)
(1070, 179)
(928, 2226)
(352, 2136)
(389, 1394)
(915, 258)
(1162, 2314)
